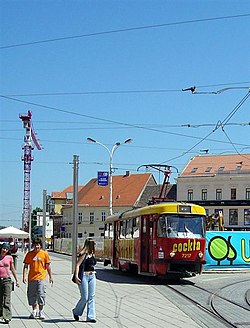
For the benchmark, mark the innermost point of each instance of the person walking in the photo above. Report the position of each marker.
(6, 266)
(85, 276)
(38, 262)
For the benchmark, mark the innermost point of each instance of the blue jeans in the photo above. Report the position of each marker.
(87, 290)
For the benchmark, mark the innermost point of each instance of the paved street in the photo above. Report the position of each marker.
(121, 301)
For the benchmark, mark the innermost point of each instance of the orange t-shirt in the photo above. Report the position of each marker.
(37, 264)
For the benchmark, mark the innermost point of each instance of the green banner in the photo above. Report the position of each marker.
(227, 249)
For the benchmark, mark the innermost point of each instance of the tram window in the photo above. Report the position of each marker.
(172, 226)
(106, 232)
(185, 226)
(166, 228)
(111, 233)
(122, 229)
(180, 226)
(144, 225)
(129, 224)
(135, 227)
(161, 227)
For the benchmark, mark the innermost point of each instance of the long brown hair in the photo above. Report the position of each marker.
(88, 247)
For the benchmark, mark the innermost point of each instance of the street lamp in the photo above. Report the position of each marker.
(111, 153)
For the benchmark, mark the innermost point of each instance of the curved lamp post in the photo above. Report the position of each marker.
(111, 153)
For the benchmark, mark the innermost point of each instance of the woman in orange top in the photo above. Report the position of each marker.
(38, 262)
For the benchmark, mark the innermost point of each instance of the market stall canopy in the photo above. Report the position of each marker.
(12, 232)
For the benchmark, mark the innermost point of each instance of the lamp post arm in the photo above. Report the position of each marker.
(101, 144)
(111, 153)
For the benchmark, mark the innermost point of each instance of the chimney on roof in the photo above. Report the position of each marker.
(127, 174)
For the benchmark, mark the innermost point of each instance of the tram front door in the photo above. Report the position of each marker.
(116, 245)
(145, 244)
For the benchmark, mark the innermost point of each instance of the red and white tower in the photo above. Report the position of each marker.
(29, 139)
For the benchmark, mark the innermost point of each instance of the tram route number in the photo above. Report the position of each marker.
(186, 256)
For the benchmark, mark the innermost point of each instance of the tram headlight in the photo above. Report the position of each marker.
(200, 255)
(172, 254)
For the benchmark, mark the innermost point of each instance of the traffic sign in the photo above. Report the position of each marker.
(103, 178)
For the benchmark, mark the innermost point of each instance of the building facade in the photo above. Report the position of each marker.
(220, 183)
(93, 203)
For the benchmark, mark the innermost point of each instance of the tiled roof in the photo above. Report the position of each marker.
(210, 165)
(154, 191)
(127, 190)
(63, 194)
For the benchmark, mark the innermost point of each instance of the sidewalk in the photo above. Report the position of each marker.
(120, 302)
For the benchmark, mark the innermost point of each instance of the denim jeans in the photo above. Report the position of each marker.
(87, 291)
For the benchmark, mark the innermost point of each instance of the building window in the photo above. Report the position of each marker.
(208, 169)
(91, 218)
(190, 194)
(194, 169)
(80, 217)
(221, 168)
(247, 193)
(80, 235)
(247, 216)
(204, 194)
(103, 216)
(91, 234)
(233, 193)
(238, 167)
(218, 194)
(233, 217)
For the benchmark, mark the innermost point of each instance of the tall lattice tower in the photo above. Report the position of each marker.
(29, 139)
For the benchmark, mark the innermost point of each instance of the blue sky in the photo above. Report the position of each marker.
(114, 70)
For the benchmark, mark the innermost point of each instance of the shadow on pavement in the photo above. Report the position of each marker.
(120, 277)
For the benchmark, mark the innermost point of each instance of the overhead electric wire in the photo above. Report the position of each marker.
(228, 117)
(246, 146)
(121, 91)
(237, 107)
(122, 30)
(236, 150)
(108, 126)
(233, 145)
(106, 120)
(93, 93)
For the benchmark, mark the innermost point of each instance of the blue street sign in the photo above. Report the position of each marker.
(103, 178)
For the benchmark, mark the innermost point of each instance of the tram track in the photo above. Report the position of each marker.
(227, 306)
(238, 313)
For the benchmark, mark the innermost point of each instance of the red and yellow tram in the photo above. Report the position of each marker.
(165, 239)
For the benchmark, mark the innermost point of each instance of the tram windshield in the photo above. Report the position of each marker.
(180, 226)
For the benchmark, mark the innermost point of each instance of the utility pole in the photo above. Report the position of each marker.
(75, 210)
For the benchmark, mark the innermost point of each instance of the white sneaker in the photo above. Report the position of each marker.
(33, 314)
(41, 315)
